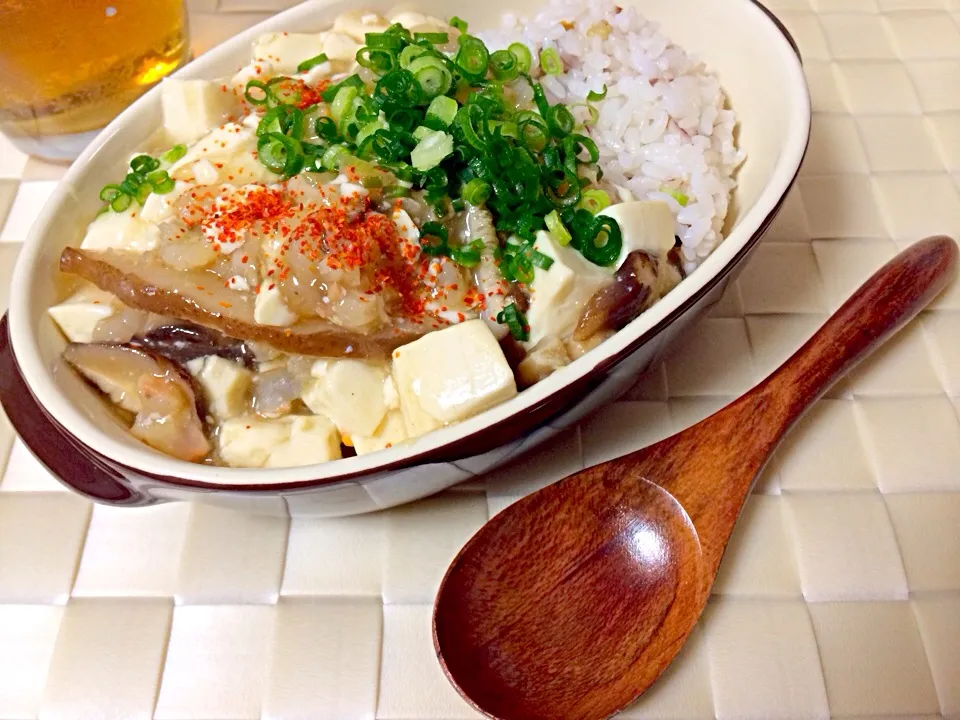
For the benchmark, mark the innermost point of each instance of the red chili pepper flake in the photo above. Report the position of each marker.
(271, 286)
(225, 304)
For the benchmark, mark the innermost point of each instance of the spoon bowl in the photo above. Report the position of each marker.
(571, 602)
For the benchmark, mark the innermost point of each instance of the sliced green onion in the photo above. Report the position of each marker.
(556, 228)
(370, 128)
(504, 65)
(121, 202)
(540, 260)
(441, 112)
(681, 198)
(109, 192)
(597, 96)
(174, 154)
(157, 176)
(524, 58)
(282, 90)
(379, 60)
(550, 61)
(473, 56)
(143, 192)
(434, 38)
(164, 186)
(578, 141)
(255, 100)
(330, 93)
(560, 120)
(603, 246)
(342, 103)
(434, 81)
(331, 157)
(460, 25)
(468, 119)
(431, 150)
(325, 128)
(594, 200)
(434, 231)
(411, 53)
(280, 154)
(468, 255)
(514, 319)
(310, 64)
(476, 192)
(385, 40)
(144, 164)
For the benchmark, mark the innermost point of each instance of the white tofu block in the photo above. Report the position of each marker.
(391, 431)
(646, 225)
(191, 108)
(285, 51)
(559, 293)
(226, 385)
(357, 23)
(270, 309)
(351, 393)
(121, 231)
(249, 442)
(160, 208)
(450, 375)
(232, 147)
(341, 47)
(78, 316)
(283, 442)
(313, 440)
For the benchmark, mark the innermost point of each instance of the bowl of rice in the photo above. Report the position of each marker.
(693, 112)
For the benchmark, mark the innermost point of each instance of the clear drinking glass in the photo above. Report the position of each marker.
(68, 67)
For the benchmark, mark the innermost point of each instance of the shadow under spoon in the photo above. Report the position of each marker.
(571, 602)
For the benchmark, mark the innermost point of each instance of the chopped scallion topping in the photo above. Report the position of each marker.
(514, 319)
(597, 96)
(550, 61)
(310, 64)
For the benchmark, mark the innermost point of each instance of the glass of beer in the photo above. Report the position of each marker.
(69, 67)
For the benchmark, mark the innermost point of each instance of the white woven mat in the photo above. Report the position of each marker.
(840, 595)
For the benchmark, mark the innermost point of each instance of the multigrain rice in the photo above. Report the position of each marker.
(664, 129)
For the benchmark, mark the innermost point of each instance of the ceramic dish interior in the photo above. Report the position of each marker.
(758, 69)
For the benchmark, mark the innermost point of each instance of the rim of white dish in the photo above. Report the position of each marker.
(39, 377)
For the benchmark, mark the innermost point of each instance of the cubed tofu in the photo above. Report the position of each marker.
(270, 309)
(191, 108)
(121, 231)
(225, 384)
(646, 225)
(231, 149)
(542, 361)
(285, 51)
(313, 440)
(249, 441)
(78, 316)
(559, 293)
(290, 441)
(349, 392)
(392, 431)
(450, 375)
(423, 23)
(357, 23)
(340, 47)
(161, 208)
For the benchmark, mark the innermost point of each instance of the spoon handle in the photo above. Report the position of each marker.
(887, 301)
(730, 448)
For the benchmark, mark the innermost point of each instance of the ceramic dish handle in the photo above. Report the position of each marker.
(74, 465)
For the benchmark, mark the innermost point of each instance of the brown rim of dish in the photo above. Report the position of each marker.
(450, 452)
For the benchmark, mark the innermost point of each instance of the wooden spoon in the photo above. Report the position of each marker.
(571, 602)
